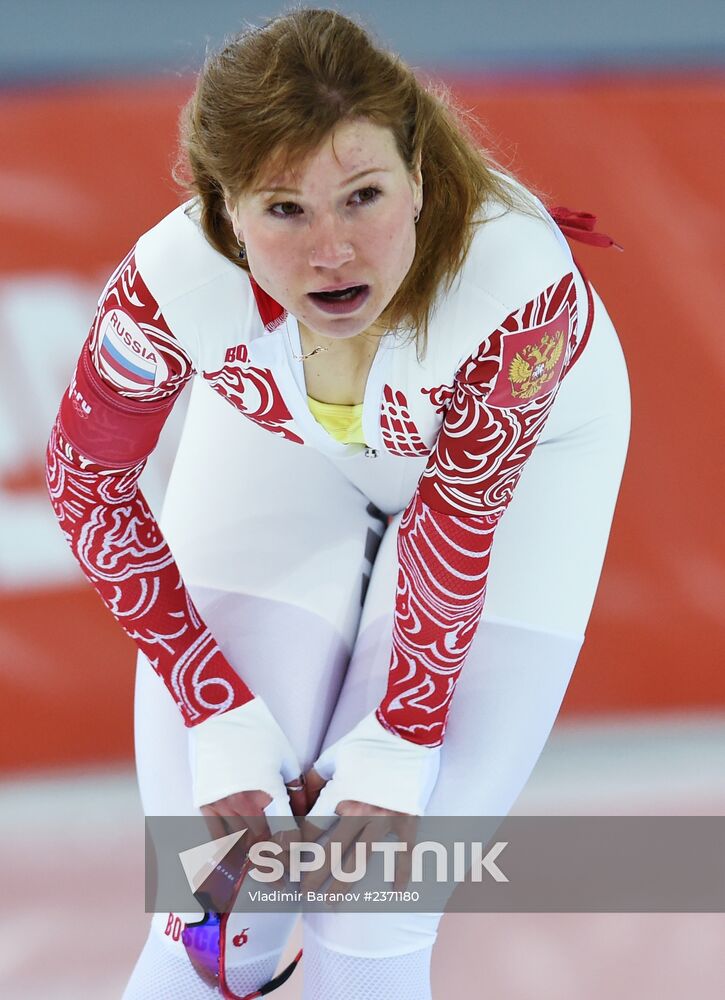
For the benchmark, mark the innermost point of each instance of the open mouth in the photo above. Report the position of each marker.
(343, 300)
(341, 295)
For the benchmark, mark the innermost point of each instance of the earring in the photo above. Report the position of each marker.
(416, 217)
(242, 249)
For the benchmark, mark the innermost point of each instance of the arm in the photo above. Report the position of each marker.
(109, 422)
(500, 400)
(502, 396)
(130, 372)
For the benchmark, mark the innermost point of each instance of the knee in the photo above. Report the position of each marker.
(373, 935)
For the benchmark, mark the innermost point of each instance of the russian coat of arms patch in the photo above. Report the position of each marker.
(531, 362)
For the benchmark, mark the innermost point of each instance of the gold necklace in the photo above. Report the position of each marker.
(303, 357)
(313, 352)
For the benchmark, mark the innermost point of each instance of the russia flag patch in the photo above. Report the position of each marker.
(126, 355)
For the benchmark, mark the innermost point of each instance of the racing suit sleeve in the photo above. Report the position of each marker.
(493, 415)
(130, 372)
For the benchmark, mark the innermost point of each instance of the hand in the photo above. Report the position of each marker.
(376, 767)
(228, 814)
(376, 823)
(314, 783)
(251, 806)
(243, 751)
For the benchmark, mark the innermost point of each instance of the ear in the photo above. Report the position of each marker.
(229, 206)
(416, 180)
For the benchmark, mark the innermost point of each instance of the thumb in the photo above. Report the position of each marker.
(314, 783)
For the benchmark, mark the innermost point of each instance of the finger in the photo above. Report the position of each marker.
(314, 783)
(403, 869)
(213, 892)
(214, 822)
(297, 793)
(405, 828)
(371, 831)
(312, 828)
(285, 839)
(244, 811)
(346, 833)
(257, 828)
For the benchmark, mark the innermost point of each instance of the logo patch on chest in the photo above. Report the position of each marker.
(254, 392)
(399, 432)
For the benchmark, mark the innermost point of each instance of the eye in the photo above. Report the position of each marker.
(283, 207)
(367, 195)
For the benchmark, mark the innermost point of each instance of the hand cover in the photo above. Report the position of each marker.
(239, 751)
(370, 764)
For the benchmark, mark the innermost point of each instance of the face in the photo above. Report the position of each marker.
(343, 220)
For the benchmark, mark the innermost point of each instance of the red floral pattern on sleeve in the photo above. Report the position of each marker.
(502, 397)
(122, 552)
(103, 514)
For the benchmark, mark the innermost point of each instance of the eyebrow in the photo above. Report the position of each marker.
(349, 180)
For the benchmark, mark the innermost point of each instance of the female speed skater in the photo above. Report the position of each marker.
(389, 510)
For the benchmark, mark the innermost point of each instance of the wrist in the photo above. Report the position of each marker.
(240, 750)
(421, 733)
(219, 690)
(374, 765)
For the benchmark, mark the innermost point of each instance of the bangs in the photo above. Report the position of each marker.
(289, 154)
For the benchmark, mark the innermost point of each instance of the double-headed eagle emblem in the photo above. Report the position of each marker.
(535, 365)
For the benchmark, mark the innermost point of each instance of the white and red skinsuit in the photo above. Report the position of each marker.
(521, 359)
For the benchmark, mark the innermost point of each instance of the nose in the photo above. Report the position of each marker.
(329, 243)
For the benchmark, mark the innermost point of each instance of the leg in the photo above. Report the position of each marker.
(281, 594)
(545, 566)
